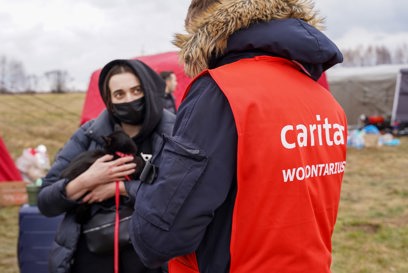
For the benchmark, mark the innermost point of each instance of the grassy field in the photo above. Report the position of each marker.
(32, 119)
(27, 121)
(371, 234)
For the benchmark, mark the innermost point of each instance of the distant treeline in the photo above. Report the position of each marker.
(375, 55)
(13, 78)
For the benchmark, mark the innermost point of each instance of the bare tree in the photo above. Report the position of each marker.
(375, 55)
(13, 78)
(16, 76)
(58, 80)
(32, 83)
(12, 75)
(401, 54)
(383, 55)
(3, 63)
(353, 57)
(370, 57)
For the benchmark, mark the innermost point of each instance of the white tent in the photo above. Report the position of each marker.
(364, 90)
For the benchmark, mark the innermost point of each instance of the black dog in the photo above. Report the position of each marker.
(118, 143)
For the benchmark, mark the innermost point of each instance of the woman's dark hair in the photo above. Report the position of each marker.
(165, 75)
(115, 70)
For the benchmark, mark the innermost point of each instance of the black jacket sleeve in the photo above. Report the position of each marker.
(52, 199)
(196, 169)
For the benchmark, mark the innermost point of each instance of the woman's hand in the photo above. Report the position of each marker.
(104, 191)
(102, 171)
(100, 193)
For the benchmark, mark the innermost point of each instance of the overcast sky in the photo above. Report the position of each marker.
(81, 36)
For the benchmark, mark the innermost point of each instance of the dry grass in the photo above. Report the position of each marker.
(27, 121)
(371, 234)
(8, 239)
(31, 119)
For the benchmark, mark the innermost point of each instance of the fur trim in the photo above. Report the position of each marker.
(207, 35)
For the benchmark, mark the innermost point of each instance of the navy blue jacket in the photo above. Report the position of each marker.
(190, 204)
(169, 103)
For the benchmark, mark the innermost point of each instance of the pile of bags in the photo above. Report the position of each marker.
(33, 163)
(370, 136)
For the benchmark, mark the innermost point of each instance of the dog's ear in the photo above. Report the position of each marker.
(107, 139)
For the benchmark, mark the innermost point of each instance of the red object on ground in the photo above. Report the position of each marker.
(8, 170)
(375, 119)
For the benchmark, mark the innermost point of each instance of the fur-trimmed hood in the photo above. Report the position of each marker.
(209, 33)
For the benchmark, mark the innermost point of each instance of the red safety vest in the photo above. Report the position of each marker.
(291, 156)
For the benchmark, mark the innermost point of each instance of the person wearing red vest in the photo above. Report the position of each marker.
(250, 179)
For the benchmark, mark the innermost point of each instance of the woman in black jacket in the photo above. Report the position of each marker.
(132, 93)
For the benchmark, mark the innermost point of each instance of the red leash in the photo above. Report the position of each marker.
(116, 230)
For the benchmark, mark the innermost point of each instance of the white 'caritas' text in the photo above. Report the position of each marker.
(313, 134)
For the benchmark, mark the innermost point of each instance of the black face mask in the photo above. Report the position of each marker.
(130, 112)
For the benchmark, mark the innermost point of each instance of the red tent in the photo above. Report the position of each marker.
(8, 170)
(159, 62)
